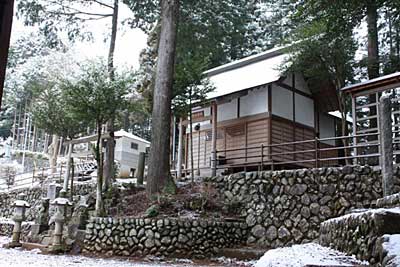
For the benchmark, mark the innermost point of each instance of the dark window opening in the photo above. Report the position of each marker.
(134, 146)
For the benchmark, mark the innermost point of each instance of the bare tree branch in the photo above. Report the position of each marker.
(102, 4)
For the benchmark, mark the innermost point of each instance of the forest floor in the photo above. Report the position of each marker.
(192, 200)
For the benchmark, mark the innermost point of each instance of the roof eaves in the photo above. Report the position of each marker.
(246, 61)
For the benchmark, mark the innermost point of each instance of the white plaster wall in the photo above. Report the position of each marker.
(300, 83)
(282, 102)
(126, 156)
(227, 111)
(255, 102)
(327, 128)
(304, 107)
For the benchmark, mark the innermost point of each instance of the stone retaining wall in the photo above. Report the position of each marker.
(360, 234)
(6, 229)
(161, 237)
(33, 196)
(389, 201)
(287, 207)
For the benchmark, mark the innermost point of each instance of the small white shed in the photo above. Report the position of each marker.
(127, 149)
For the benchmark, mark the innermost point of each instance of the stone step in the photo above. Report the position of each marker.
(243, 253)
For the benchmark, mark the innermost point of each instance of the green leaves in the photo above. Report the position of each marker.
(94, 97)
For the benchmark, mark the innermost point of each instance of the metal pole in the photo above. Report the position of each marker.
(386, 135)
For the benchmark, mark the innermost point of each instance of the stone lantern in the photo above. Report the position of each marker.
(19, 216)
(58, 218)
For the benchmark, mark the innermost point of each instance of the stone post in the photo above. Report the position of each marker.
(140, 170)
(59, 220)
(386, 140)
(19, 216)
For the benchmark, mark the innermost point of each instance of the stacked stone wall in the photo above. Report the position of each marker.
(33, 196)
(287, 207)
(362, 234)
(161, 237)
(6, 229)
(389, 201)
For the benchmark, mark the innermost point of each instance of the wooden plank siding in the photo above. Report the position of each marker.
(253, 132)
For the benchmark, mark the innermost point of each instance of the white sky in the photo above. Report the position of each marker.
(129, 41)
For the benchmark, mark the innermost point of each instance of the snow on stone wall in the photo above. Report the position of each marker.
(361, 234)
(389, 201)
(286, 207)
(161, 237)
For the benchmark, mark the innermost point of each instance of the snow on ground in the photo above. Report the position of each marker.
(34, 258)
(300, 255)
(393, 248)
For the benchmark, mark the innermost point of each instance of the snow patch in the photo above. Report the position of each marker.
(301, 255)
(393, 248)
(370, 212)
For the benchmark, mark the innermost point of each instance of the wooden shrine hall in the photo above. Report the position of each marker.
(258, 119)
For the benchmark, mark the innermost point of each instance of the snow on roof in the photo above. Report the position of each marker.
(246, 73)
(122, 133)
(366, 83)
(338, 115)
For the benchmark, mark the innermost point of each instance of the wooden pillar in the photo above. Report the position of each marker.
(198, 152)
(386, 147)
(214, 110)
(354, 115)
(6, 17)
(180, 149)
(140, 169)
(173, 126)
(270, 123)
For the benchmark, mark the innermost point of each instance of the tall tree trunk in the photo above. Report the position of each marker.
(373, 52)
(110, 145)
(55, 146)
(34, 138)
(68, 167)
(6, 18)
(46, 143)
(159, 168)
(373, 65)
(99, 158)
(14, 127)
(24, 126)
(18, 140)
